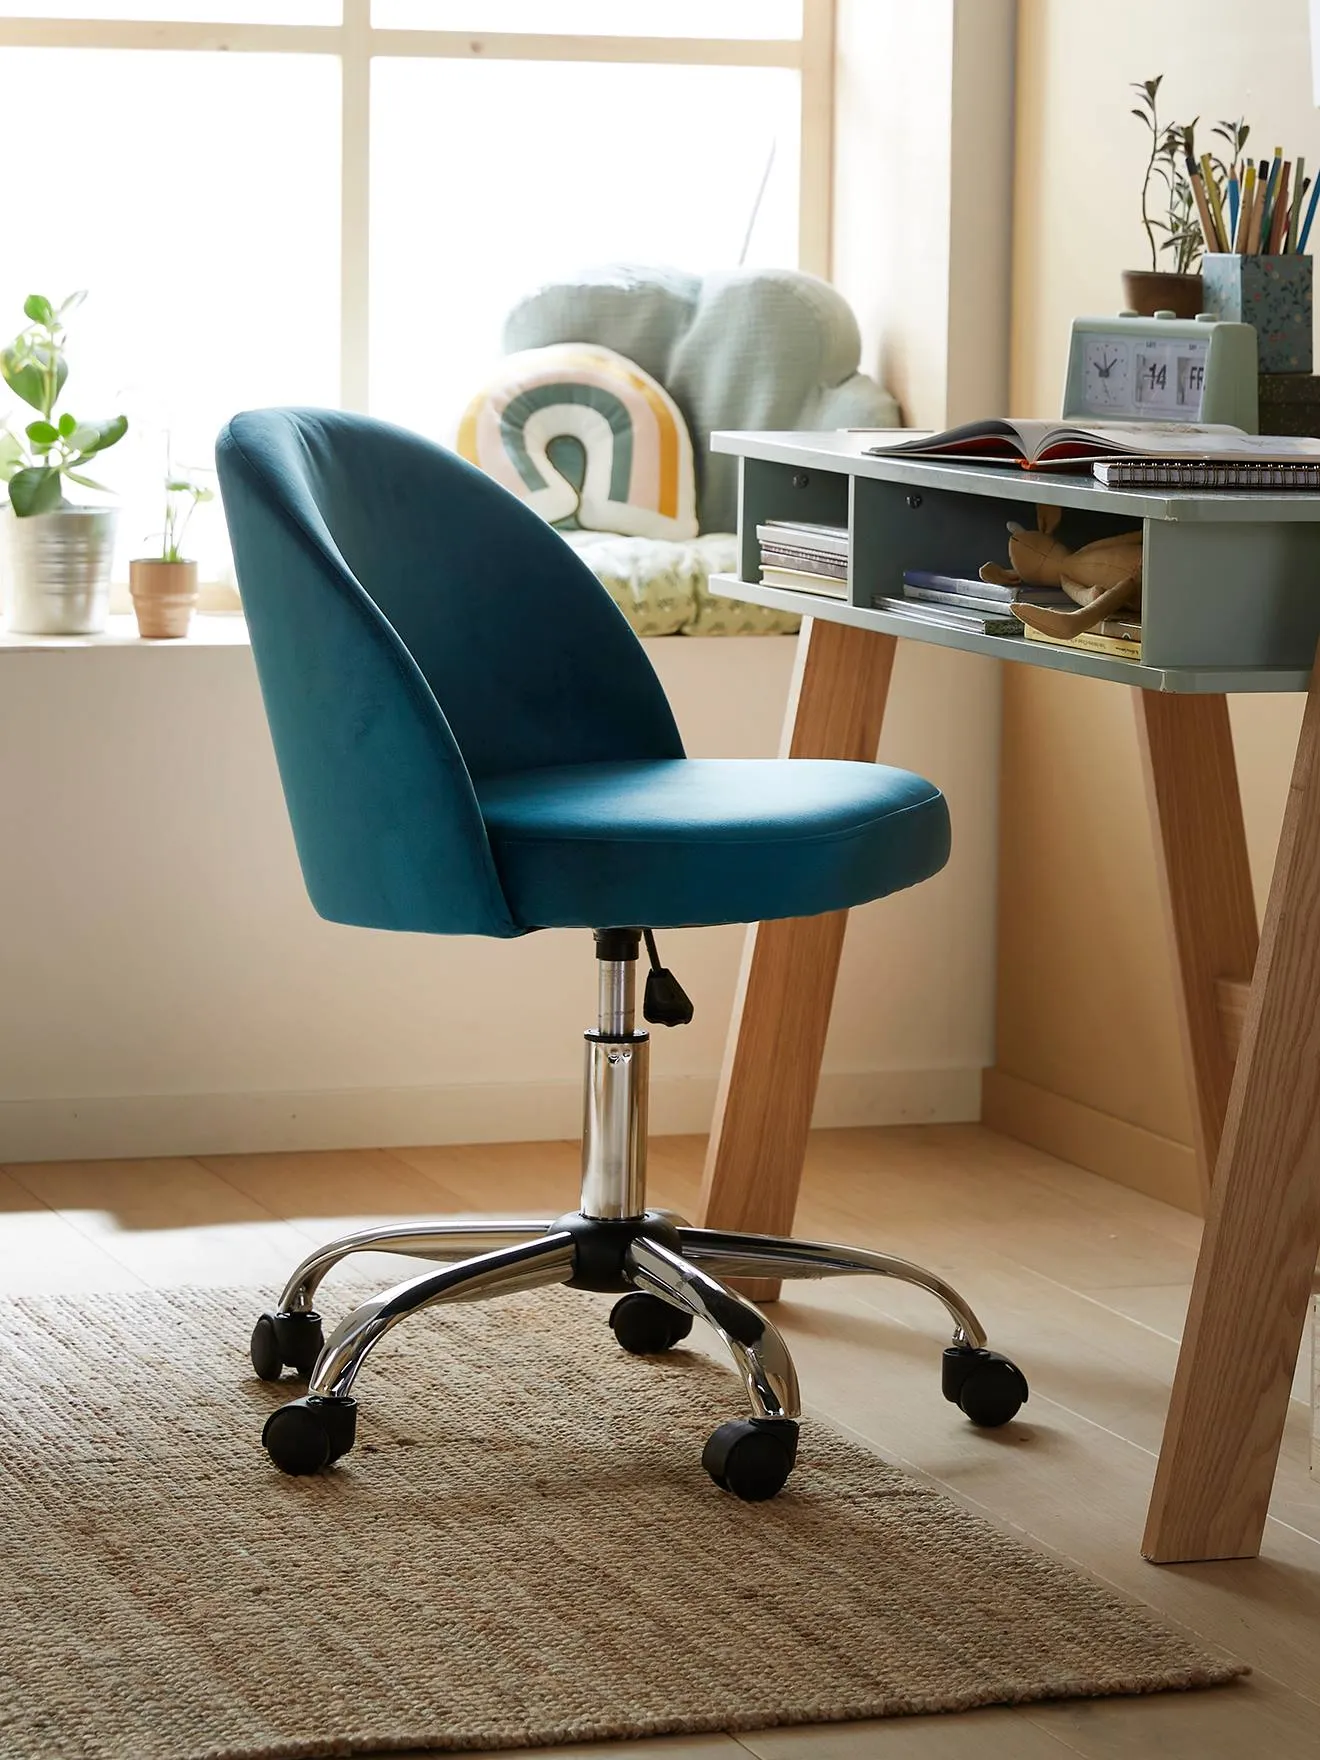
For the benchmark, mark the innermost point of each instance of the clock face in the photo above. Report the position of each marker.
(1136, 375)
(1108, 370)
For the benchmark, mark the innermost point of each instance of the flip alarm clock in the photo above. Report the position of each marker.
(1162, 369)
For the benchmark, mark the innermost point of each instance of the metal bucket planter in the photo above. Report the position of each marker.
(56, 570)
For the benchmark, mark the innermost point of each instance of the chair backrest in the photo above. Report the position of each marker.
(415, 627)
(743, 348)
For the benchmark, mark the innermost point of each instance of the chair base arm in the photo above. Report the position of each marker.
(654, 1258)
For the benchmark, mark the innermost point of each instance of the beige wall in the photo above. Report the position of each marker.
(1087, 1049)
(922, 198)
(167, 988)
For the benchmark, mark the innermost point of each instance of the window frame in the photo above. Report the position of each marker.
(357, 43)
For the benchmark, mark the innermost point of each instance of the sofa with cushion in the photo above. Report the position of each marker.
(743, 348)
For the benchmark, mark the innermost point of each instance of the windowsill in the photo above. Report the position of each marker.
(208, 630)
(228, 629)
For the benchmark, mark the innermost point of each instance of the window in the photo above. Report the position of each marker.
(335, 201)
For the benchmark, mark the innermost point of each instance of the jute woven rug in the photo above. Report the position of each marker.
(522, 1549)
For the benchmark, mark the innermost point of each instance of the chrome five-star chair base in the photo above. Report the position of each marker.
(667, 1273)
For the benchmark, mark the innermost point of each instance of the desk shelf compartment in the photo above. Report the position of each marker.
(1230, 603)
(1241, 594)
(782, 491)
(897, 526)
(1216, 596)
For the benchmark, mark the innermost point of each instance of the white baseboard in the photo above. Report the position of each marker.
(113, 1126)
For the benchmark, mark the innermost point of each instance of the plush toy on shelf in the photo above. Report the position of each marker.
(1103, 577)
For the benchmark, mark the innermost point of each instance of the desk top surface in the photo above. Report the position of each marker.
(844, 450)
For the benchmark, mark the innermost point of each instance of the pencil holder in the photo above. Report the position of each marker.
(1271, 293)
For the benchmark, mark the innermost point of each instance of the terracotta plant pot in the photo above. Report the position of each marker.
(164, 595)
(1147, 291)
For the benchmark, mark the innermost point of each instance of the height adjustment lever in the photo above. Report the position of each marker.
(665, 1003)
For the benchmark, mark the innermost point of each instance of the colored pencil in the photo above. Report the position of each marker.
(1294, 218)
(1279, 218)
(1266, 213)
(1244, 213)
(1310, 215)
(1234, 194)
(1202, 206)
(1271, 190)
(1211, 190)
(1257, 214)
(1301, 208)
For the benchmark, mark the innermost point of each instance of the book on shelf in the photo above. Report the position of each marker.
(970, 590)
(1097, 641)
(1123, 627)
(797, 534)
(798, 580)
(809, 561)
(803, 557)
(1063, 446)
(994, 622)
(1261, 475)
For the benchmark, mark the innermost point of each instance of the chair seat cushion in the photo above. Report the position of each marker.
(663, 843)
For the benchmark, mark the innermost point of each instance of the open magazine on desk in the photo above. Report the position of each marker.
(1066, 446)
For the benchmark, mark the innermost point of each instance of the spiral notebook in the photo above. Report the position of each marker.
(1258, 474)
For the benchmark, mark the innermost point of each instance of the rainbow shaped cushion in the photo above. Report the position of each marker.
(586, 439)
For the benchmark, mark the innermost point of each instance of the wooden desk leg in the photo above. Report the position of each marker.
(1262, 1232)
(1205, 882)
(781, 1011)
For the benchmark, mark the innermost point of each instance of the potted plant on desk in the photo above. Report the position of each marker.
(1175, 289)
(164, 587)
(56, 557)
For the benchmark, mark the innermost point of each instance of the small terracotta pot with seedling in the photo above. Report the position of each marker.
(164, 587)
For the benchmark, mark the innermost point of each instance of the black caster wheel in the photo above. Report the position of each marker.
(645, 1325)
(989, 1388)
(309, 1434)
(286, 1341)
(752, 1457)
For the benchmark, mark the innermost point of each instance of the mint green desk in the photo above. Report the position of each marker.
(1231, 603)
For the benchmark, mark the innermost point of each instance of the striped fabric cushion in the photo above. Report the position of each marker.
(586, 439)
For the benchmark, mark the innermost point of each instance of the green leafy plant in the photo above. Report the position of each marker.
(1234, 136)
(184, 494)
(1169, 143)
(57, 446)
(1182, 225)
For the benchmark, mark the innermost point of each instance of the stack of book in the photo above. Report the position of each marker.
(1119, 636)
(804, 558)
(962, 602)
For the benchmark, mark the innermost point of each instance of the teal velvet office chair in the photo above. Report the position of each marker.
(472, 742)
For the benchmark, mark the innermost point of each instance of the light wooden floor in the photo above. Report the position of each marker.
(1083, 1282)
